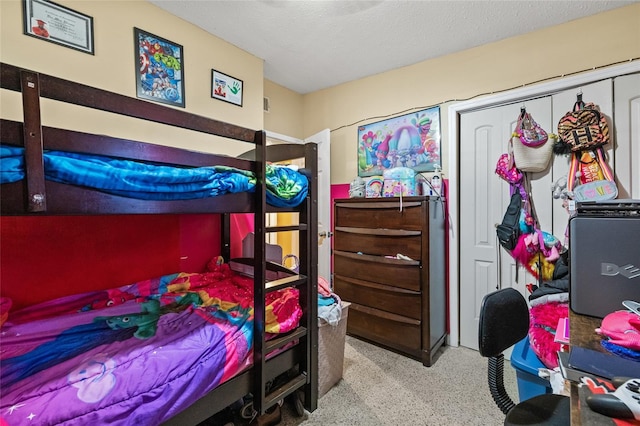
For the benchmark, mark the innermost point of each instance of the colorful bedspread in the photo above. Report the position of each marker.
(133, 179)
(137, 354)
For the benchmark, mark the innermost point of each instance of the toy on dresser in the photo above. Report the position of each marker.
(373, 189)
(399, 181)
(356, 188)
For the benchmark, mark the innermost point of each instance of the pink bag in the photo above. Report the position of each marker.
(506, 169)
(529, 132)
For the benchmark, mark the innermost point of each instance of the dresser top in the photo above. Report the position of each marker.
(386, 199)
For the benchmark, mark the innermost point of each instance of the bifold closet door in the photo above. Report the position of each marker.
(627, 131)
(484, 265)
(484, 197)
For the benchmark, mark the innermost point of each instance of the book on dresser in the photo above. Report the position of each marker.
(389, 262)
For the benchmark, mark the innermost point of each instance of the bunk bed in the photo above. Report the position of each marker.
(201, 390)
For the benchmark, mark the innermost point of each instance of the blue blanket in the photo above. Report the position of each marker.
(148, 181)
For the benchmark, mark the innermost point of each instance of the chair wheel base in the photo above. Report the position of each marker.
(548, 409)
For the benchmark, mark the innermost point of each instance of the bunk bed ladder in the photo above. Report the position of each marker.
(300, 346)
(304, 338)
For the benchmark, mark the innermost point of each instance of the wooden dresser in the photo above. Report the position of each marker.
(395, 303)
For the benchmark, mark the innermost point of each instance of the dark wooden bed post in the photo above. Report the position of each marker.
(225, 236)
(259, 357)
(32, 134)
(309, 267)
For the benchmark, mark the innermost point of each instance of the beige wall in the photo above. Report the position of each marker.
(114, 64)
(609, 37)
(606, 38)
(285, 112)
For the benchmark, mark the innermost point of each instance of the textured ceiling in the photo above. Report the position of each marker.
(308, 45)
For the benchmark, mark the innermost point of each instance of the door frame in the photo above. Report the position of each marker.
(324, 188)
(454, 111)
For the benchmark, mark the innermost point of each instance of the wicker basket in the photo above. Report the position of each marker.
(331, 351)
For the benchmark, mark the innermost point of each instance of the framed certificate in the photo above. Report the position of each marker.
(49, 21)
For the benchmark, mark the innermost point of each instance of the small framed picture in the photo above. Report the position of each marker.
(226, 88)
(159, 69)
(49, 21)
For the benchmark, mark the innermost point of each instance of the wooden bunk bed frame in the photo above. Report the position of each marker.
(36, 196)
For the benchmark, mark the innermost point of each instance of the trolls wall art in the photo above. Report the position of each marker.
(411, 140)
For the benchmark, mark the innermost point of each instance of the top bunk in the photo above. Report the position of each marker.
(37, 160)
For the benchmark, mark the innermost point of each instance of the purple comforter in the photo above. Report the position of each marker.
(137, 354)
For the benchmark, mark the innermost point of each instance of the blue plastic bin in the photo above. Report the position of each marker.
(526, 364)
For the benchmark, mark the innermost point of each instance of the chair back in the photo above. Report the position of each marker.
(504, 321)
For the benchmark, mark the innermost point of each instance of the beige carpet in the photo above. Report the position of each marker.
(380, 387)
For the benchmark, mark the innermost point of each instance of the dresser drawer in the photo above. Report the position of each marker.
(390, 330)
(381, 214)
(391, 299)
(392, 272)
(378, 241)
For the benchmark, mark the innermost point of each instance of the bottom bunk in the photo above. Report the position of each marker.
(141, 353)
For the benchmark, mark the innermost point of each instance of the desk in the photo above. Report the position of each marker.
(582, 333)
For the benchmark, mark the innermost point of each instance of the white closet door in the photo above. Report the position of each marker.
(483, 139)
(627, 131)
(484, 197)
(484, 265)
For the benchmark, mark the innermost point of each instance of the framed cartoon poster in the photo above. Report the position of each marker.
(411, 140)
(159, 70)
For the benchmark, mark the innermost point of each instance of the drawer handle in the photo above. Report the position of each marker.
(376, 286)
(378, 231)
(377, 259)
(394, 205)
(385, 315)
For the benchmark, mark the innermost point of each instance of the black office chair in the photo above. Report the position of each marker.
(504, 321)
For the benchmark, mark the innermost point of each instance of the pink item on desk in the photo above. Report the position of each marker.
(562, 331)
(622, 328)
